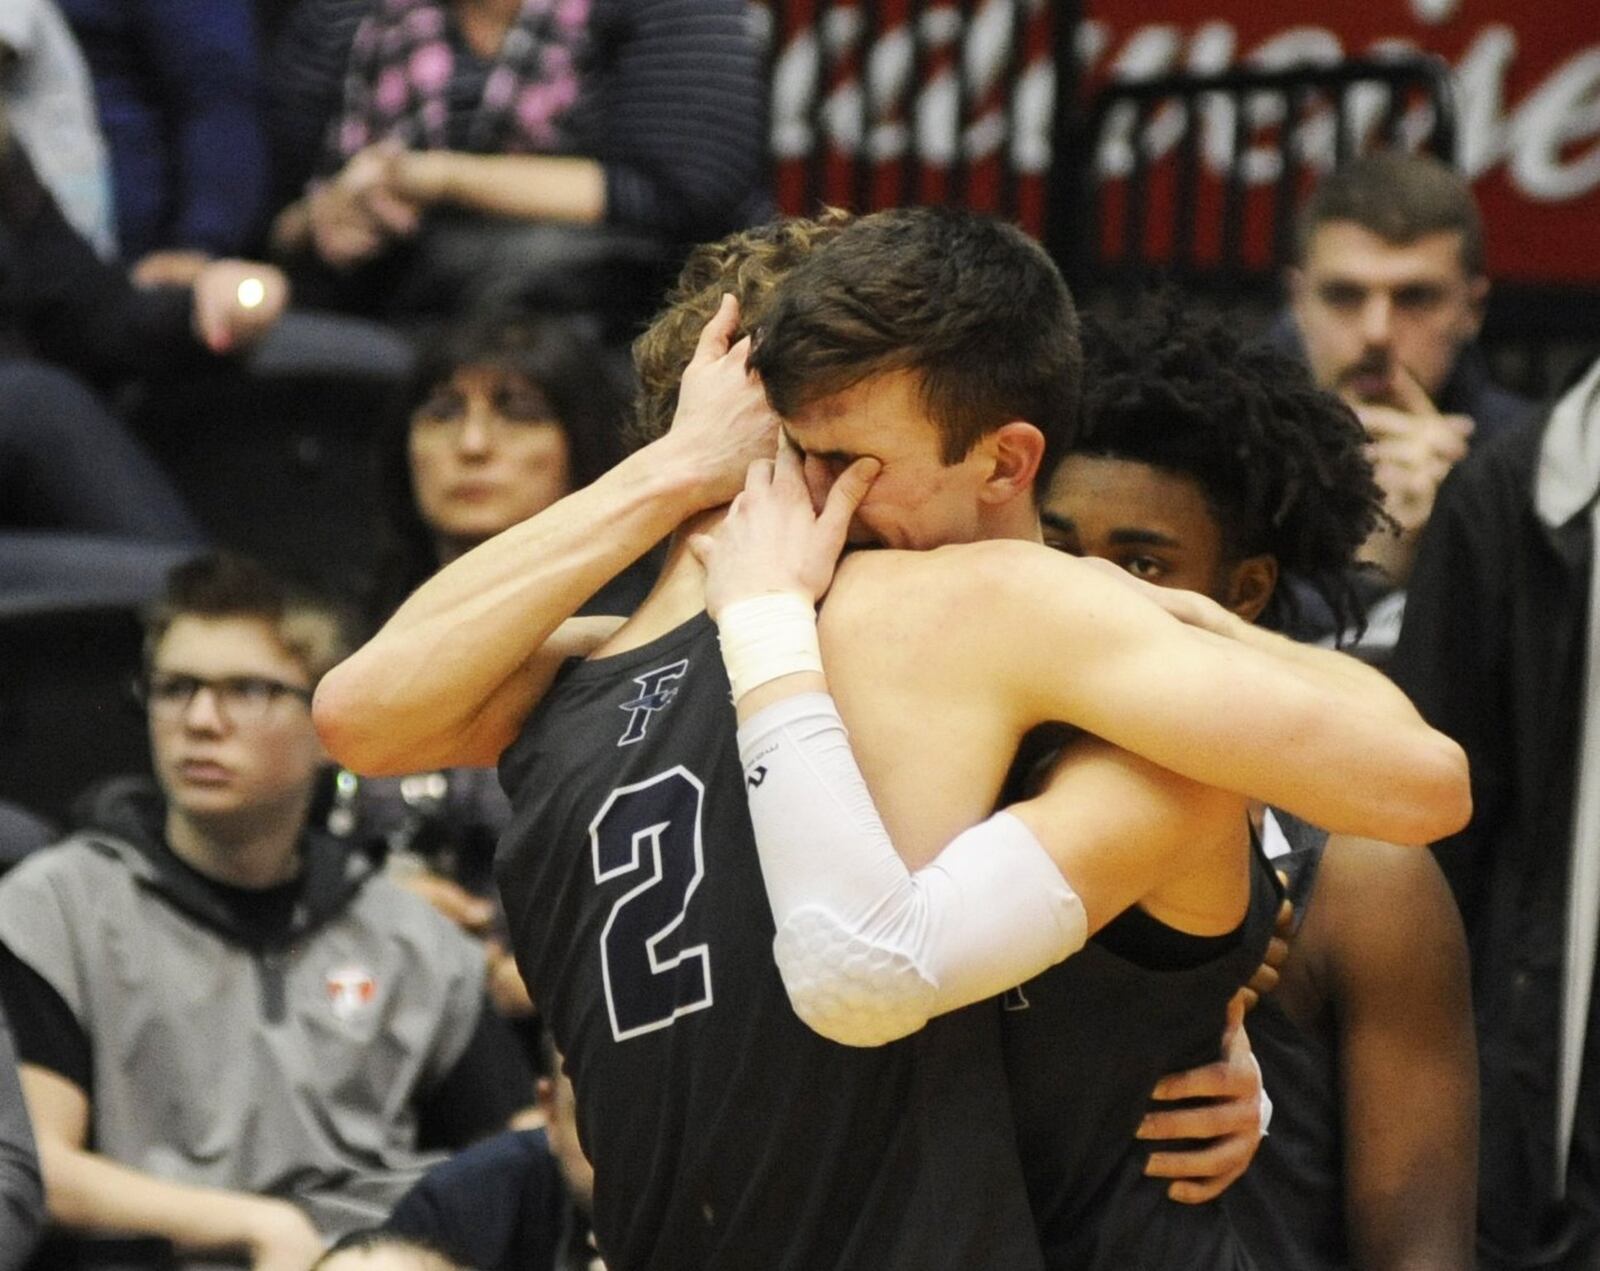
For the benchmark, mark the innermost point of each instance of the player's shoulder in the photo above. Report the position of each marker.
(1382, 910)
(960, 582)
(1358, 870)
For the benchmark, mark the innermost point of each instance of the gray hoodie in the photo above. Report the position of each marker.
(284, 1063)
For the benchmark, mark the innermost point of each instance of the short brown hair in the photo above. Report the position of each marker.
(749, 264)
(1400, 198)
(971, 305)
(313, 631)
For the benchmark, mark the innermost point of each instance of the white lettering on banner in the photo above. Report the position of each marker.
(1549, 142)
(935, 110)
(1435, 11)
(1483, 135)
(1564, 111)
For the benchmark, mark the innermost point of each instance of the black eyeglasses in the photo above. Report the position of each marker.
(240, 699)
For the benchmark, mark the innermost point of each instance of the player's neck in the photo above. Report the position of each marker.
(1017, 518)
(679, 592)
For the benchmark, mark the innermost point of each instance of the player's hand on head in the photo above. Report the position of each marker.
(772, 541)
(1231, 1123)
(723, 422)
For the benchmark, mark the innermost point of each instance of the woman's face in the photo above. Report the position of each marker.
(486, 452)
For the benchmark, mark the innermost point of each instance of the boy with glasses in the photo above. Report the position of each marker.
(230, 1028)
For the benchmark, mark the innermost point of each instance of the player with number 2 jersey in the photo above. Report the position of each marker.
(725, 1133)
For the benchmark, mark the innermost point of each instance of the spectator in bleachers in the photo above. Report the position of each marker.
(548, 153)
(1386, 297)
(1501, 650)
(21, 1192)
(233, 1034)
(502, 415)
(46, 92)
(178, 85)
(101, 519)
(59, 301)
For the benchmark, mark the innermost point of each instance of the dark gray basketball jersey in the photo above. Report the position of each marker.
(1289, 1207)
(725, 1134)
(1085, 1043)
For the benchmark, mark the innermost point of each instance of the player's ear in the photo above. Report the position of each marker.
(1250, 586)
(1015, 451)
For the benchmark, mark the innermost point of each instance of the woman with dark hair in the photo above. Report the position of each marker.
(500, 418)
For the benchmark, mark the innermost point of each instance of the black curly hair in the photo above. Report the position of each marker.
(1281, 463)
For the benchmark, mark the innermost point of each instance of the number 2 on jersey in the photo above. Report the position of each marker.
(652, 829)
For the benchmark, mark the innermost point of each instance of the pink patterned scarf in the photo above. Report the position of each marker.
(402, 62)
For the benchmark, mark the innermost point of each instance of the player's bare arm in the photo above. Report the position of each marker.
(1308, 730)
(1016, 635)
(1387, 944)
(453, 674)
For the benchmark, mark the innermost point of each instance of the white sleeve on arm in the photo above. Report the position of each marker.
(868, 950)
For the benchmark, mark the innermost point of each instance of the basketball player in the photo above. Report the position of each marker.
(724, 1133)
(1223, 482)
(847, 912)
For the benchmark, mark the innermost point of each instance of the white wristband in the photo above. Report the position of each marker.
(767, 637)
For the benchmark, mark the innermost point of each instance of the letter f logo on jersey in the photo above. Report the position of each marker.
(657, 688)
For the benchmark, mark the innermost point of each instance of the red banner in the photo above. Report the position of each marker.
(1527, 94)
(1527, 88)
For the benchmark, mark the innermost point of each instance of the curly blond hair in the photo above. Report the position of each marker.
(750, 264)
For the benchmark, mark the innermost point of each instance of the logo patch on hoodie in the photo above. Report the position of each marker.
(351, 991)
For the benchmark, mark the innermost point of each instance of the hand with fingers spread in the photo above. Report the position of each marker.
(723, 422)
(1232, 1123)
(772, 541)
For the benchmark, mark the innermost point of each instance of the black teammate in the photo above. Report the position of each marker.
(1208, 465)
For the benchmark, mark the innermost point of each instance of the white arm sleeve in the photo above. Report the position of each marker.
(868, 950)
